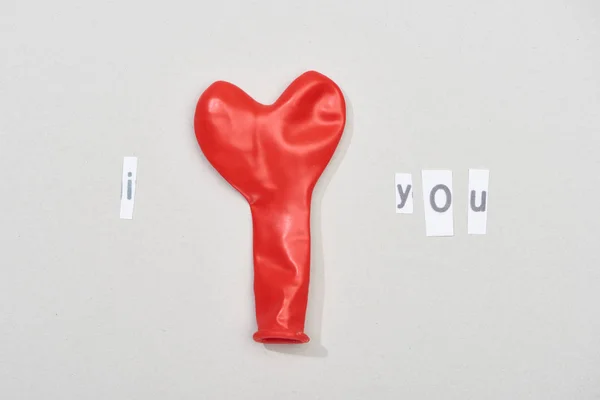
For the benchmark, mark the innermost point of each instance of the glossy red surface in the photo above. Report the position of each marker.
(274, 155)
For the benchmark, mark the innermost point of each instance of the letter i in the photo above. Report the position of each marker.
(129, 186)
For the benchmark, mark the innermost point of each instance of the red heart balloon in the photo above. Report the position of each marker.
(274, 155)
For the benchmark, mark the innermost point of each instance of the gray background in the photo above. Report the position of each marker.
(161, 307)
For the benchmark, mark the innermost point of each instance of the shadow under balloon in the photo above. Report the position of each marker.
(316, 299)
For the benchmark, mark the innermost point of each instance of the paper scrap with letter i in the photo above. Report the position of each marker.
(128, 187)
(478, 201)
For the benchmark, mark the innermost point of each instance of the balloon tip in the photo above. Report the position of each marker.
(280, 337)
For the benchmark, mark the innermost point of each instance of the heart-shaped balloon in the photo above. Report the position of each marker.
(273, 155)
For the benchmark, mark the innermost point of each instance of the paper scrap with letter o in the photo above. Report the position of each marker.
(128, 187)
(437, 202)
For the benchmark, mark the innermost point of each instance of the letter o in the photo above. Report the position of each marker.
(448, 198)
